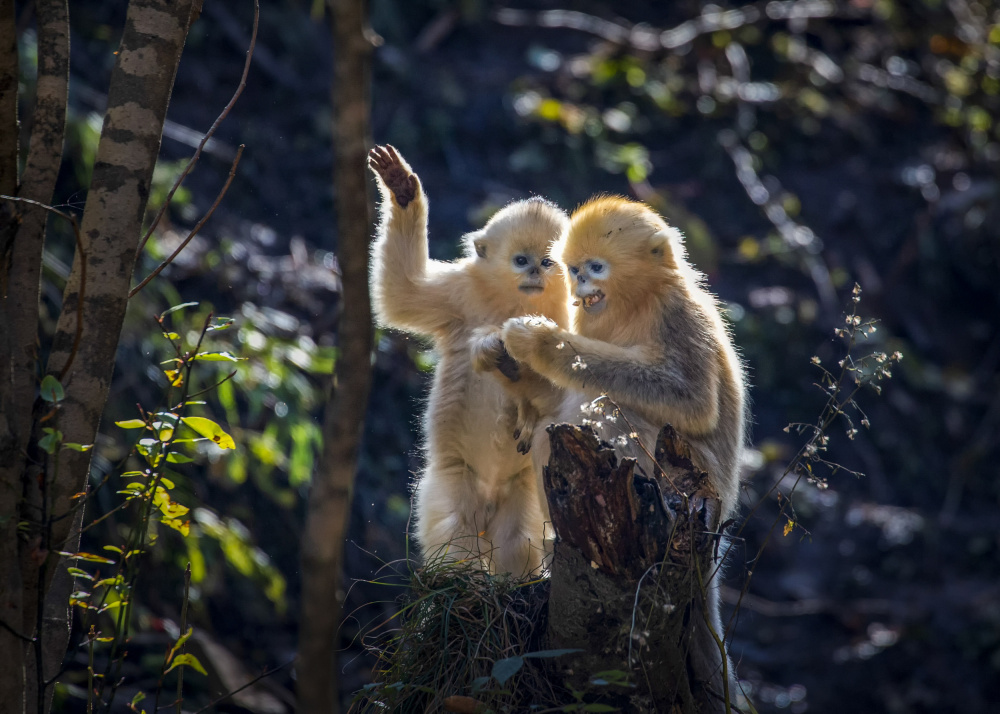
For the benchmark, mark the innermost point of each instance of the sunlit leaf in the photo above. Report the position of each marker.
(174, 376)
(186, 660)
(175, 308)
(209, 429)
(224, 322)
(183, 527)
(89, 557)
(180, 643)
(131, 424)
(77, 447)
(77, 573)
(175, 457)
(217, 357)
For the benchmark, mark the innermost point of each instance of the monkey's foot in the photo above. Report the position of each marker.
(384, 161)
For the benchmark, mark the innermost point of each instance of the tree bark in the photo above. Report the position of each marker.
(86, 338)
(632, 555)
(332, 487)
(12, 644)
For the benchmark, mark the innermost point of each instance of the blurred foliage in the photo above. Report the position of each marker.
(799, 145)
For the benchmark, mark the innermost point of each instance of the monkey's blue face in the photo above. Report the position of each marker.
(588, 279)
(532, 271)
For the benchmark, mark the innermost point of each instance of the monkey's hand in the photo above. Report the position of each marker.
(395, 174)
(487, 352)
(527, 337)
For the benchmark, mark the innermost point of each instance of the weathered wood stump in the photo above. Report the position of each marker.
(632, 557)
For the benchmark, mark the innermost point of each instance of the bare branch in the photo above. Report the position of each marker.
(204, 140)
(196, 229)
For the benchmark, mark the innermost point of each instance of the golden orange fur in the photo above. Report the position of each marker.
(647, 338)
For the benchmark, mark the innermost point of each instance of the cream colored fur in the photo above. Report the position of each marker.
(476, 496)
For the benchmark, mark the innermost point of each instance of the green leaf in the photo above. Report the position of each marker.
(139, 696)
(210, 430)
(131, 424)
(77, 573)
(504, 669)
(113, 549)
(78, 447)
(171, 335)
(52, 389)
(217, 357)
(224, 322)
(90, 558)
(175, 457)
(175, 308)
(187, 660)
(50, 442)
(180, 643)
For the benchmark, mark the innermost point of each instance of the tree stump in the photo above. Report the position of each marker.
(633, 551)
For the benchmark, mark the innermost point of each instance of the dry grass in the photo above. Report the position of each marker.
(456, 622)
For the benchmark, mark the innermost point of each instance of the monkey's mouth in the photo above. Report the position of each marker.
(531, 289)
(594, 302)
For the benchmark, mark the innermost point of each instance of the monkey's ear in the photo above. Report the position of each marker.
(479, 244)
(661, 248)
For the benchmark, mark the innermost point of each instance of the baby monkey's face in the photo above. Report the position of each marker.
(532, 269)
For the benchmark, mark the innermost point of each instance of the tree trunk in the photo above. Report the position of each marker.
(39, 490)
(632, 555)
(330, 498)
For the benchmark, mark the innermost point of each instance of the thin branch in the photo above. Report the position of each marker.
(208, 389)
(14, 632)
(194, 231)
(262, 675)
(78, 334)
(208, 134)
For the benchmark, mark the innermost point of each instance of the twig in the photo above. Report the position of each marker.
(207, 136)
(262, 675)
(198, 226)
(184, 616)
(83, 274)
(14, 632)
(208, 389)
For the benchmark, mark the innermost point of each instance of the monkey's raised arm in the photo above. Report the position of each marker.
(409, 291)
(677, 382)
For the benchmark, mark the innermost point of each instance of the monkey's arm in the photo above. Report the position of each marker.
(487, 352)
(678, 383)
(409, 291)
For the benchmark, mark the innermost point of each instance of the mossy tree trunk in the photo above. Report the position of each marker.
(633, 554)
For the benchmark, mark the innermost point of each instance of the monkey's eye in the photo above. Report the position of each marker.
(573, 269)
(596, 267)
(547, 263)
(520, 261)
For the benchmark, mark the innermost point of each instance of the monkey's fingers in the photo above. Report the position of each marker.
(378, 159)
(392, 154)
(508, 366)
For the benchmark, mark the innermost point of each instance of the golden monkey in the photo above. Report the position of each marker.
(476, 496)
(648, 335)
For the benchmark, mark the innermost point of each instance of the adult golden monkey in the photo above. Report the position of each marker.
(476, 496)
(647, 335)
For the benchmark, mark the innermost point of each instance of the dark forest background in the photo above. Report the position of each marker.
(801, 147)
